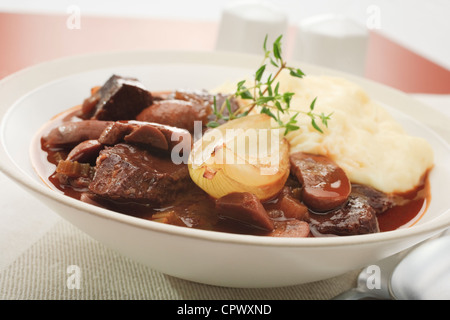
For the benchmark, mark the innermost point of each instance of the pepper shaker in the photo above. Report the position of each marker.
(332, 41)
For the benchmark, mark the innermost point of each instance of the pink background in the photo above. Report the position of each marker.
(33, 38)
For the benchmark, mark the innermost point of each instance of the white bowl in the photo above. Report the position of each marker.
(28, 99)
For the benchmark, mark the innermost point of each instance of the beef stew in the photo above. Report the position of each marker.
(114, 151)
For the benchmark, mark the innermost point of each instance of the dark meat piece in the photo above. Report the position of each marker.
(222, 108)
(114, 133)
(325, 184)
(148, 134)
(176, 113)
(193, 209)
(197, 96)
(161, 95)
(184, 107)
(378, 200)
(354, 218)
(77, 183)
(287, 206)
(86, 151)
(145, 133)
(290, 228)
(72, 133)
(206, 99)
(89, 103)
(118, 99)
(130, 173)
(244, 207)
(89, 198)
(292, 207)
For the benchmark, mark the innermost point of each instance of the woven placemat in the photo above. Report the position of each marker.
(44, 272)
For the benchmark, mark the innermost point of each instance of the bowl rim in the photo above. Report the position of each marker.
(70, 65)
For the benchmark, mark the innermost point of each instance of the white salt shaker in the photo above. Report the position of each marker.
(245, 24)
(332, 41)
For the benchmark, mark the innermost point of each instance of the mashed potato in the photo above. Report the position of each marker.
(362, 137)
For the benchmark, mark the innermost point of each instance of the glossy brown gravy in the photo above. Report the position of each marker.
(196, 209)
(411, 206)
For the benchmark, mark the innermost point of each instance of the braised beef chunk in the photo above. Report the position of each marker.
(184, 107)
(223, 108)
(119, 98)
(73, 133)
(90, 198)
(198, 96)
(245, 208)
(290, 228)
(145, 133)
(353, 218)
(287, 205)
(291, 206)
(378, 200)
(206, 99)
(86, 151)
(161, 95)
(114, 133)
(148, 134)
(325, 184)
(193, 209)
(130, 173)
(176, 113)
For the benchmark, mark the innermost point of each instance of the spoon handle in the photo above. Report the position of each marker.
(355, 294)
(388, 266)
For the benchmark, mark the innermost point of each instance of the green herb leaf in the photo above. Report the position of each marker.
(215, 111)
(268, 98)
(277, 48)
(325, 118)
(311, 106)
(277, 87)
(315, 126)
(260, 72)
(267, 111)
(263, 100)
(290, 127)
(287, 97)
(230, 113)
(243, 114)
(296, 73)
(212, 124)
(240, 85)
(246, 95)
(279, 107)
(272, 62)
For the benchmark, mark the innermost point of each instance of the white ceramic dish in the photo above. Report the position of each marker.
(28, 99)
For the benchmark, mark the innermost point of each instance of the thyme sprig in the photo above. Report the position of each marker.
(265, 95)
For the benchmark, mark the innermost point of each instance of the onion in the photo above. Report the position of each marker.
(242, 155)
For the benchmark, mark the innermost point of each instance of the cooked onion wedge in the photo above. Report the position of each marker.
(242, 155)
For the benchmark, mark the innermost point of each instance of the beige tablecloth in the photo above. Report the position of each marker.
(41, 273)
